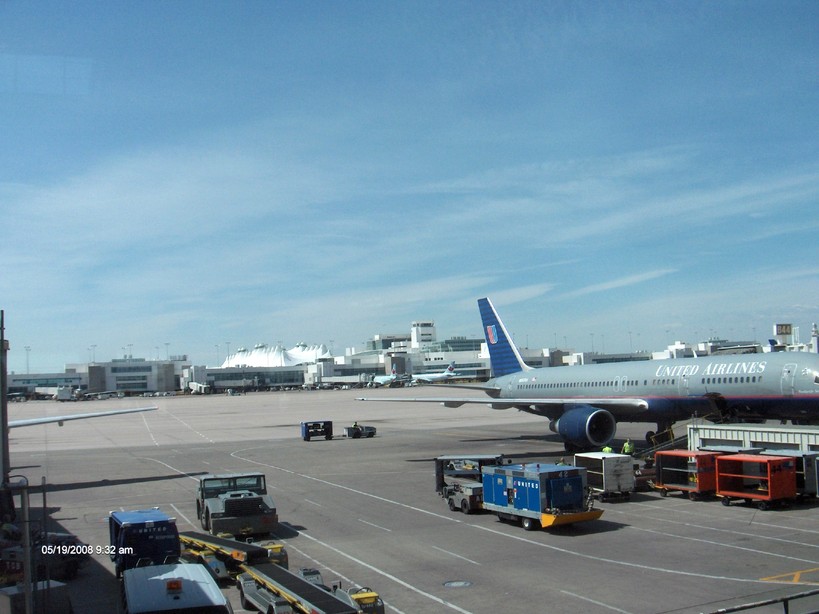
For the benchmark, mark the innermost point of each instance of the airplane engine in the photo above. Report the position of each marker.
(585, 426)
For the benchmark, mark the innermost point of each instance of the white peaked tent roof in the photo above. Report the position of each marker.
(264, 355)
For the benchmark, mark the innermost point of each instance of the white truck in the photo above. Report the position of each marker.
(180, 588)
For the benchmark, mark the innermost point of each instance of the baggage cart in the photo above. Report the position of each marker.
(686, 471)
(768, 480)
(608, 474)
(317, 428)
(806, 475)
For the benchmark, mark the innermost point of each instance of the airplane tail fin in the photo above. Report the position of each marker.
(503, 354)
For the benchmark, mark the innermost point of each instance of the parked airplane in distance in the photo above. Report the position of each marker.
(61, 419)
(584, 403)
(392, 380)
(447, 374)
(430, 378)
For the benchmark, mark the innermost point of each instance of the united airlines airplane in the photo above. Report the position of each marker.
(584, 403)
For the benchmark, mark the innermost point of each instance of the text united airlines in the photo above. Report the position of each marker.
(718, 368)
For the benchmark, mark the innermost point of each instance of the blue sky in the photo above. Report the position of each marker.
(623, 174)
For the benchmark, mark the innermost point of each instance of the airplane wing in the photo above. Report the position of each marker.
(61, 419)
(618, 406)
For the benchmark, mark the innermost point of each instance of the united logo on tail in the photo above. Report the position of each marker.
(491, 334)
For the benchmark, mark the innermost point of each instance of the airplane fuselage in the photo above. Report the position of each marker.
(755, 386)
(585, 403)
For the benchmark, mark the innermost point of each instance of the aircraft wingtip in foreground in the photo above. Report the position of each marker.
(584, 403)
(61, 419)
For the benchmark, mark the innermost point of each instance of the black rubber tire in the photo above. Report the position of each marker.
(529, 524)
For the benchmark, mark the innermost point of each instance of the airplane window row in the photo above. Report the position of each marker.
(580, 384)
(731, 380)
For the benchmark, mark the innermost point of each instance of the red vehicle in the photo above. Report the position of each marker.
(752, 477)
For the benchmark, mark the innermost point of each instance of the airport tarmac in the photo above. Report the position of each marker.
(366, 512)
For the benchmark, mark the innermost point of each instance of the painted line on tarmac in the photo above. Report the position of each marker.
(599, 559)
(205, 437)
(176, 509)
(595, 602)
(387, 575)
(375, 526)
(362, 493)
(723, 545)
(150, 432)
(179, 471)
(732, 532)
(457, 556)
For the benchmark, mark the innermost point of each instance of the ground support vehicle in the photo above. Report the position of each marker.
(235, 504)
(359, 431)
(363, 598)
(768, 480)
(458, 479)
(688, 471)
(317, 428)
(538, 495)
(178, 588)
(140, 537)
(609, 475)
(224, 556)
(274, 590)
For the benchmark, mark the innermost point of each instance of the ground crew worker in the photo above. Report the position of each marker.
(562, 461)
(628, 447)
(607, 449)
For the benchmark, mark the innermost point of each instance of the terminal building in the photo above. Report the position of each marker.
(274, 367)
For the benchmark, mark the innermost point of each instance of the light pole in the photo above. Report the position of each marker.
(28, 351)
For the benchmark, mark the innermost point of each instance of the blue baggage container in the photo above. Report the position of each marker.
(317, 428)
(538, 494)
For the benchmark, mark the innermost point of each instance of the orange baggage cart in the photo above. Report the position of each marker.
(687, 471)
(764, 479)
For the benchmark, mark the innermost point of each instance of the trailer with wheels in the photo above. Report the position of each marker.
(317, 428)
(609, 474)
(687, 471)
(768, 480)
